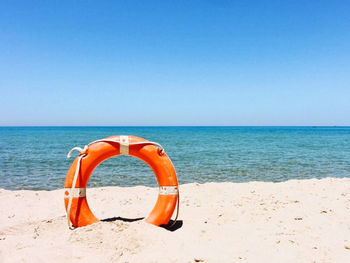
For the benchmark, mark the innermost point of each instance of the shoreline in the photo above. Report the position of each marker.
(292, 221)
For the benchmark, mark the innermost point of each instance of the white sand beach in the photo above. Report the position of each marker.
(293, 221)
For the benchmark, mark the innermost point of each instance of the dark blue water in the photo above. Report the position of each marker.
(35, 157)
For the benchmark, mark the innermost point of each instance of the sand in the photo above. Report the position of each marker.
(293, 221)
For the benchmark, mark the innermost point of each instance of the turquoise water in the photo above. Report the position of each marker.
(35, 157)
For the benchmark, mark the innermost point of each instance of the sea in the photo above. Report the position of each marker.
(35, 158)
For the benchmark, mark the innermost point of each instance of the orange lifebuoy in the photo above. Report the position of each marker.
(78, 211)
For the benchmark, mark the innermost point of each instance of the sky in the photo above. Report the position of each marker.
(174, 63)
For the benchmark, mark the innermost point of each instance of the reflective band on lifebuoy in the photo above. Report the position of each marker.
(168, 190)
(76, 192)
(124, 145)
(79, 213)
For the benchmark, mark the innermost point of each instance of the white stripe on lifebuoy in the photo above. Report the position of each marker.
(168, 190)
(76, 192)
(124, 145)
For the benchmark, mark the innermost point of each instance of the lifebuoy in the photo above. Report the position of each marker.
(78, 211)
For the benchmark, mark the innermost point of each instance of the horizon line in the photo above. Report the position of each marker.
(125, 126)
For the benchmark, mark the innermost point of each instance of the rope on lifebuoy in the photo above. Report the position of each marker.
(133, 143)
(82, 154)
(177, 209)
(80, 150)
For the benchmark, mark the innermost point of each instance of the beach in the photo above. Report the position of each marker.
(240, 107)
(292, 221)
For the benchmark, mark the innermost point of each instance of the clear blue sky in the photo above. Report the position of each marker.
(175, 62)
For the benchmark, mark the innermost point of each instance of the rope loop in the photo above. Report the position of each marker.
(160, 152)
(70, 200)
(80, 150)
